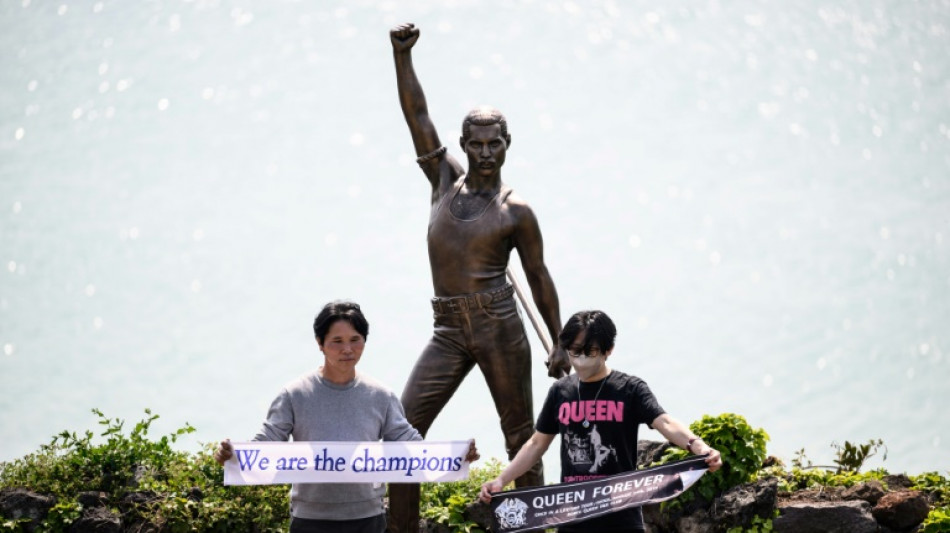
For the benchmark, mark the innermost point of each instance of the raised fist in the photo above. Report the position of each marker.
(404, 36)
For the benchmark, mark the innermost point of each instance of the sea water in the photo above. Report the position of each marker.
(757, 193)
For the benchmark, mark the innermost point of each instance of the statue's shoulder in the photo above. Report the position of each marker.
(514, 203)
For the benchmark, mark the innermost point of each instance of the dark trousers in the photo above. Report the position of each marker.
(480, 329)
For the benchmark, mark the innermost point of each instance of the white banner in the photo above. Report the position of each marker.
(272, 463)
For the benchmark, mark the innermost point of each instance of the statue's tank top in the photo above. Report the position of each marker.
(469, 255)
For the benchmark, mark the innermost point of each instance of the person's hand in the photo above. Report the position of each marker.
(713, 457)
(558, 363)
(404, 36)
(224, 451)
(472, 454)
(494, 485)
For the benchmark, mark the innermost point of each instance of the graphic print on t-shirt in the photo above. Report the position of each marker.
(587, 452)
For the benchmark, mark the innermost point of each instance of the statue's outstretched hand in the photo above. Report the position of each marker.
(558, 363)
(404, 36)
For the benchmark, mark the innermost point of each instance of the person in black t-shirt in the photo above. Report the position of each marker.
(597, 411)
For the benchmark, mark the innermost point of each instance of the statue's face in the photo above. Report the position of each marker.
(485, 148)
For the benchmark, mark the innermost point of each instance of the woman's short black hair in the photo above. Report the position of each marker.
(598, 329)
(340, 310)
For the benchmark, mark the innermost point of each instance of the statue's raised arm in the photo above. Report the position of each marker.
(412, 99)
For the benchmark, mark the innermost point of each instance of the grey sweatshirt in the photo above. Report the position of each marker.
(313, 409)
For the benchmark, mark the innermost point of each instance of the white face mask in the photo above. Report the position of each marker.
(588, 366)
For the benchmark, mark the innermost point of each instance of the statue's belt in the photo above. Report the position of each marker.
(464, 303)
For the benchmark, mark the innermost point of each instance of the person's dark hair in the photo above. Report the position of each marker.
(340, 310)
(483, 116)
(598, 328)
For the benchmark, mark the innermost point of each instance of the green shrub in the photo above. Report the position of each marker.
(850, 457)
(16, 525)
(803, 478)
(938, 521)
(758, 525)
(72, 463)
(742, 449)
(194, 499)
(935, 485)
(445, 503)
(62, 515)
(187, 494)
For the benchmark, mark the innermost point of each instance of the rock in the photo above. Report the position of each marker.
(901, 510)
(97, 520)
(698, 522)
(137, 476)
(739, 505)
(92, 499)
(139, 526)
(649, 452)
(131, 506)
(897, 482)
(869, 491)
(21, 503)
(825, 517)
(135, 499)
(480, 513)
(425, 526)
(195, 494)
(654, 521)
(734, 508)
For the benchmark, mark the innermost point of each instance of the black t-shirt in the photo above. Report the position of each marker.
(613, 410)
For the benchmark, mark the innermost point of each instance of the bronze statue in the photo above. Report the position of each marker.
(474, 223)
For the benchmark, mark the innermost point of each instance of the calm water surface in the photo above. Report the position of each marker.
(757, 193)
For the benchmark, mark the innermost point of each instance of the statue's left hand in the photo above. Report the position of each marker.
(558, 364)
